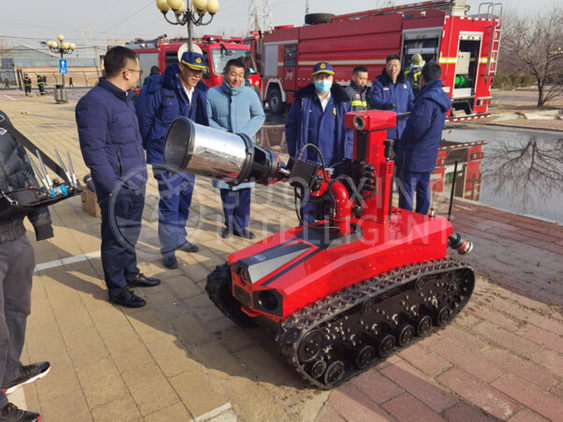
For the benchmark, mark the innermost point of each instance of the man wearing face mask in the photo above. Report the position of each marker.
(317, 117)
(392, 91)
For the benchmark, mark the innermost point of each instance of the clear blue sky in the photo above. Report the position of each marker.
(87, 22)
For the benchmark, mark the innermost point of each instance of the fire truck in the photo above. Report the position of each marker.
(216, 50)
(465, 45)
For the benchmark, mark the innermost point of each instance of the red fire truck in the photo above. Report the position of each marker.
(216, 50)
(466, 47)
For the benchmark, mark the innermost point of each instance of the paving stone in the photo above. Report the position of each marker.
(550, 360)
(471, 362)
(463, 338)
(479, 393)
(174, 413)
(420, 386)
(527, 416)
(376, 387)
(420, 358)
(407, 408)
(353, 405)
(100, 382)
(69, 406)
(465, 412)
(149, 388)
(331, 416)
(121, 409)
(542, 337)
(513, 342)
(543, 403)
(172, 357)
(190, 330)
(198, 395)
(214, 357)
(524, 369)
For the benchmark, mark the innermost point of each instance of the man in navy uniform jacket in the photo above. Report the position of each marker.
(418, 148)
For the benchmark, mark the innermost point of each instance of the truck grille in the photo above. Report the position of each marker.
(242, 295)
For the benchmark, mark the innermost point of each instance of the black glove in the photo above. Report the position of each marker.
(390, 106)
(44, 232)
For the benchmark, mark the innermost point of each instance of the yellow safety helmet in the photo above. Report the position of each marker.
(417, 59)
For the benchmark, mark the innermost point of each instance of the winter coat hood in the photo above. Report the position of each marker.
(433, 91)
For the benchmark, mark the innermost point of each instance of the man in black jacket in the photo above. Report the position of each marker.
(17, 263)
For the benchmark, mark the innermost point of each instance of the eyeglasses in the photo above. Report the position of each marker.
(135, 70)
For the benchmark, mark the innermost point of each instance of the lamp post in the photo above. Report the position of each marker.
(63, 47)
(189, 15)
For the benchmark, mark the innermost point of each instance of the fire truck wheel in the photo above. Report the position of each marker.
(275, 101)
(315, 18)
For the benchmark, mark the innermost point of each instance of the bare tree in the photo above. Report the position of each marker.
(533, 165)
(533, 45)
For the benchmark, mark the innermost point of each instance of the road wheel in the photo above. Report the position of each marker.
(275, 101)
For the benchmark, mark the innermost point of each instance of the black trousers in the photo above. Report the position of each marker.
(17, 262)
(121, 225)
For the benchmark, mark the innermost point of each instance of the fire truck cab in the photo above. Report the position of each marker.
(216, 50)
(466, 47)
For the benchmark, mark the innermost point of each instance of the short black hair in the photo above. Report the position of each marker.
(392, 57)
(431, 71)
(233, 62)
(116, 60)
(359, 69)
(155, 70)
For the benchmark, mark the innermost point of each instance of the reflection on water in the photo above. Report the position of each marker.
(522, 170)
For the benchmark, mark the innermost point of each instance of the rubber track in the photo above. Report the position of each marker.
(293, 329)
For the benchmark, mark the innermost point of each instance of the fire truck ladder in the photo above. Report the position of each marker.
(494, 45)
(445, 5)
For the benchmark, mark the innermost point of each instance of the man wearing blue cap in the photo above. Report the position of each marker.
(182, 93)
(317, 117)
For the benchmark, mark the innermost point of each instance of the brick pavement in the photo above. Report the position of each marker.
(180, 359)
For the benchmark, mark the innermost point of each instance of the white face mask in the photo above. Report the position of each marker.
(323, 86)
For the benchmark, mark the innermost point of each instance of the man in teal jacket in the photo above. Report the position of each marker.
(235, 108)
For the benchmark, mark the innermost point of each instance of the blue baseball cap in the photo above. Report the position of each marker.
(193, 60)
(323, 67)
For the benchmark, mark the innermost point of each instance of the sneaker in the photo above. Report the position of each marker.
(10, 412)
(188, 247)
(170, 262)
(29, 374)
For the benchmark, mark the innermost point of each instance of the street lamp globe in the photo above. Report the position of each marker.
(61, 37)
(212, 6)
(200, 6)
(180, 9)
(162, 5)
(175, 4)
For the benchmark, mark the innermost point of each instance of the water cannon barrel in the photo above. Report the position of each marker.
(460, 243)
(228, 157)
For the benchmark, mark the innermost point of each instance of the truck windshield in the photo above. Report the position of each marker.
(220, 57)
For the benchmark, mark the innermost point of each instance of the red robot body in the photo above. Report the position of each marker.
(358, 284)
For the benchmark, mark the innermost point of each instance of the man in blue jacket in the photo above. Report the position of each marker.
(235, 108)
(317, 117)
(182, 93)
(392, 91)
(110, 142)
(418, 148)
